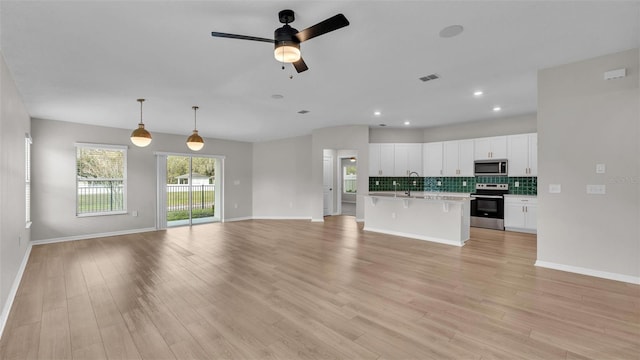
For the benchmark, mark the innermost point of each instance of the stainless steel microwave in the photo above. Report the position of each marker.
(490, 167)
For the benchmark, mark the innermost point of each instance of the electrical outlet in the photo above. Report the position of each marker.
(439, 183)
(516, 184)
(393, 215)
(464, 183)
(235, 205)
(394, 183)
(377, 182)
(134, 213)
(414, 183)
(600, 168)
(555, 188)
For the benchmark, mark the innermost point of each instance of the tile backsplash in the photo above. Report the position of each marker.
(526, 185)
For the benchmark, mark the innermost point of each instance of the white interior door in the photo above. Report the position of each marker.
(327, 185)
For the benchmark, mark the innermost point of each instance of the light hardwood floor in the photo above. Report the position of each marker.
(302, 290)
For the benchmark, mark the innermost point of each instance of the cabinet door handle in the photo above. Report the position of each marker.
(523, 209)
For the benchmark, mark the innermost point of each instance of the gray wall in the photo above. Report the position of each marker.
(14, 237)
(54, 178)
(282, 178)
(522, 124)
(584, 120)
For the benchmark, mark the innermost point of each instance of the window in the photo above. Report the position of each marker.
(350, 179)
(27, 179)
(101, 179)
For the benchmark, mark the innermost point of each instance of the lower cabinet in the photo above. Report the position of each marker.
(521, 213)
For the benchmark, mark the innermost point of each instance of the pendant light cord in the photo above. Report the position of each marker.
(140, 101)
(195, 121)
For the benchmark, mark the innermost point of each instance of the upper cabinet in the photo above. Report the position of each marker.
(457, 158)
(408, 159)
(490, 148)
(523, 154)
(381, 159)
(432, 159)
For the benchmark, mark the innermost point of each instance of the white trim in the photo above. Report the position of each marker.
(14, 290)
(589, 272)
(359, 220)
(105, 213)
(522, 230)
(281, 217)
(101, 146)
(91, 236)
(415, 236)
(237, 219)
(317, 220)
(164, 153)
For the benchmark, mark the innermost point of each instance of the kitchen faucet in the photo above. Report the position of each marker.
(408, 192)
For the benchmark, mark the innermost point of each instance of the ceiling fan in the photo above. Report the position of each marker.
(287, 39)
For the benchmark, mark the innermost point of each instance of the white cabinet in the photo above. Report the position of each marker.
(523, 154)
(381, 159)
(432, 159)
(408, 159)
(457, 159)
(490, 148)
(521, 213)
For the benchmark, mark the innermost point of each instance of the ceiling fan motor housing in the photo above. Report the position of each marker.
(286, 37)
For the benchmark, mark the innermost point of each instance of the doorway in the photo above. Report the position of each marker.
(189, 190)
(348, 185)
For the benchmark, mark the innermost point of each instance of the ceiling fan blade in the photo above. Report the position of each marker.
(300, 66)
(333, 23)
(241, 37)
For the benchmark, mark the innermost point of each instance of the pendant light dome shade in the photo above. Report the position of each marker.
(195, 142)
(140, 136)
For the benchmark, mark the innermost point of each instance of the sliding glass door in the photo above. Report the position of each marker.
(189, 188)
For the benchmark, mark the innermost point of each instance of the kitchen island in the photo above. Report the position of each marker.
(437, 217)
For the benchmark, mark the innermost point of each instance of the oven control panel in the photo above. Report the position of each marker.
(500, 187)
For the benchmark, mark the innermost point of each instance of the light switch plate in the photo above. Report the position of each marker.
(600, 169)
(597, 189)
(555, 188)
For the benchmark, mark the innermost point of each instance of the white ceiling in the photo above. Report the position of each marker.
(88, 61)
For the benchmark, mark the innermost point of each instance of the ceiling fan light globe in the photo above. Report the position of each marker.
(141, 137)
(287, 53)
(195, 142)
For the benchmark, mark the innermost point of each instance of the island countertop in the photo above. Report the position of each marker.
(438, 217)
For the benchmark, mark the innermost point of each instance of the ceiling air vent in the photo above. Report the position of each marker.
(303, 111)
(430, 77)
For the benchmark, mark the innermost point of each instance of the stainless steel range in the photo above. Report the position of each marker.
(487, 210)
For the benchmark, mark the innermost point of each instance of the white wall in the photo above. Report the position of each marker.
(14, 238)
(339, 138)
(584, 120)
(282, 178)
(495, 127)
(54, 178)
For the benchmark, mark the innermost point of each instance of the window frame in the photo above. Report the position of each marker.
(28, 142)
(122, 148)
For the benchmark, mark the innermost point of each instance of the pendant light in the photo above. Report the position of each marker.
(195, 142)
(140, 136)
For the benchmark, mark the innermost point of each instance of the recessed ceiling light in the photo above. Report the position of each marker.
(497, 108)
(478, 93)
(451, 31)
(377, 113)
(407, 122)
(277, 96)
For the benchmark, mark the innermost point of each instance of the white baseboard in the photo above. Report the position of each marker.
(238, 219)
(415, 236)
(317, 220)
(14, 290)
(90, 236)
(282, 218)
(589, 272)
(359, 220)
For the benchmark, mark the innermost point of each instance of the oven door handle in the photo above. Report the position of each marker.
(487, 196)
